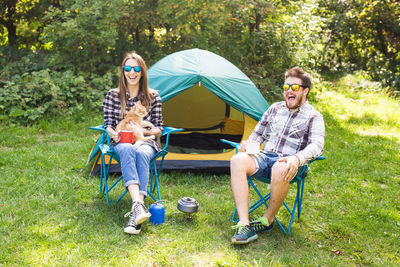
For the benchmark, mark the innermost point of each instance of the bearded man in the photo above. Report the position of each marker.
(293, 133)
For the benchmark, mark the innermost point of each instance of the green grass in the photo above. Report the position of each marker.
(51, 212)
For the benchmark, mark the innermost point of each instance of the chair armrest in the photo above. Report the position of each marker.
(234, 144)
(104, 131)
(237, 147)
(305, 167)
(317, 158)
(167, 131)
(98, 128)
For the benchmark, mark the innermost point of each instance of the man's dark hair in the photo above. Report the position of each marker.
(301, 74)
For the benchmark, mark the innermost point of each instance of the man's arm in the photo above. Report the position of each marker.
(258, 134)
(316, 135)
(316, 138)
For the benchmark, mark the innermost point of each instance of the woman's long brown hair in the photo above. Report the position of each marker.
(144, 94)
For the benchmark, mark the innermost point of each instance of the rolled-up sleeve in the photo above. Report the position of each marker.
(316, 138)
(156, 112)
(111, 112)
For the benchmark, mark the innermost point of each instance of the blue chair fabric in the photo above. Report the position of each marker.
(106, 151)
(299, 179)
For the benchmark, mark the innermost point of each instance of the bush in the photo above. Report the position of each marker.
(29, 97)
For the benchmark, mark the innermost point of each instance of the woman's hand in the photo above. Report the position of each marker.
(155, 131)
(113, 135)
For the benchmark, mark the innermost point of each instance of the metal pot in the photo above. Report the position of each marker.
(188, 205)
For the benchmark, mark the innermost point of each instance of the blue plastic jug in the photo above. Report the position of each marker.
(157, 211)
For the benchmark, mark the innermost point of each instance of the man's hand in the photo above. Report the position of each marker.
(292, 165)
(243, 146)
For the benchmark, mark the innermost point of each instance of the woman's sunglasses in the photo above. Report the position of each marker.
(295, 87)
(135, 69)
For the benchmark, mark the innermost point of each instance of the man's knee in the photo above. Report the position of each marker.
(277, 172)
(236, 159)
(239, 160)
(242, 162)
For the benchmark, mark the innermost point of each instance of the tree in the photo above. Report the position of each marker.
(22, 20)
(83, 35)
(363, 35)
(8, 16)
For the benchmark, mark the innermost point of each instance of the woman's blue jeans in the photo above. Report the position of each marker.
(135, 164)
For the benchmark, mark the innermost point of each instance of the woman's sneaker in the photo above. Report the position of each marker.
(261, 225)
(132, 228)
(244, 234)
(140, 211)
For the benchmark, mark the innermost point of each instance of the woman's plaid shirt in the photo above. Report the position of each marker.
(112, 107)
(287, 133)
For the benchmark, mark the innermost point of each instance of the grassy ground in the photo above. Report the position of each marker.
(51, 213)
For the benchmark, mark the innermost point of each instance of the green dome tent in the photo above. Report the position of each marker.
(211, 99)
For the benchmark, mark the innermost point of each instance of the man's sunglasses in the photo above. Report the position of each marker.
(295, 87)
(135, 69)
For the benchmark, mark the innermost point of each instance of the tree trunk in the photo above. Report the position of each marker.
(12, 33)
(381, 38)
(8, 22)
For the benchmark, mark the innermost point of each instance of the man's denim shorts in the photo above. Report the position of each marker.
(264, 162)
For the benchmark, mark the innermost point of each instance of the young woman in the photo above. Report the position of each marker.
(133, 86)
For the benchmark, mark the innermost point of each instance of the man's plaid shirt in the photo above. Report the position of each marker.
(112, 107)
(287, 133)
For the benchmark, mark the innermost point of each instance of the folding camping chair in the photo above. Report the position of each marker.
(107, 154)
(263, 198)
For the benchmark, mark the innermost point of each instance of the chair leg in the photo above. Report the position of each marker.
(106, 175)
(154, 183)
(264, 198)
(301, 198)
(155, 174)
(121, 196)
(106, 188)
(292, 212)
(154, 177)
(101, 174)
(101, 169)
(234, 215)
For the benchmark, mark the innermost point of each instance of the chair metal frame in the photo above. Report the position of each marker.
(155, 169)
(263, 198)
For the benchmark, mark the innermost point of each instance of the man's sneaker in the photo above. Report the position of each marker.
(244, 234)
(140, 212)
(261, 225)
(132, 227)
